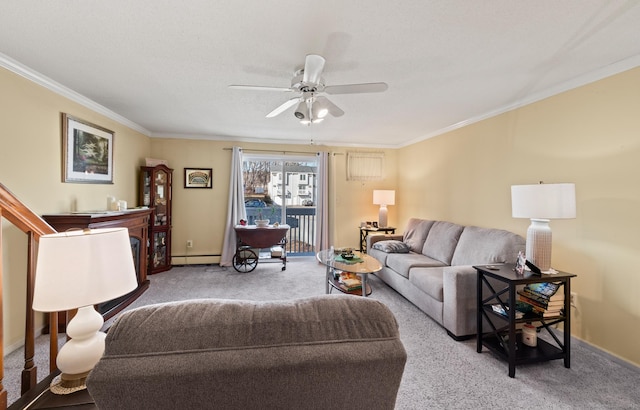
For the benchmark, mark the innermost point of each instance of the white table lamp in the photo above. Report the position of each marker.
(540, 203)
(80, 269)
(383, 198)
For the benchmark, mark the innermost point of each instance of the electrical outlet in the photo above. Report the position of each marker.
(189, 243)
(574, 299)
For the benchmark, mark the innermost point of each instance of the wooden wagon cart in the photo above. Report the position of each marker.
(250, 237)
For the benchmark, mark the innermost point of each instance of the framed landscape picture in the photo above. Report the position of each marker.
(198, 178)
(87, 152)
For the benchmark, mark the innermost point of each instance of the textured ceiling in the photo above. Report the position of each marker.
(165, 66)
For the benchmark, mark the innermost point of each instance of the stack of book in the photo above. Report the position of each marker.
(544, 298)
(350, 281)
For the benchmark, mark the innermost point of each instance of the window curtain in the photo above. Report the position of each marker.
(236, 209)
(322, 210)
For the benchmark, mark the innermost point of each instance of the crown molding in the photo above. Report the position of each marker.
(590, 77)
(46, 82)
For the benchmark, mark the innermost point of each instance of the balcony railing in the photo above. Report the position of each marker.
(302, 220)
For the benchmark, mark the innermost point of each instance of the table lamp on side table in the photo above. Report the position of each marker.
(542, 202)
(383, 198)
(80, 269)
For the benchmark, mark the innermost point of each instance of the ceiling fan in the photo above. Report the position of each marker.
(311, 107)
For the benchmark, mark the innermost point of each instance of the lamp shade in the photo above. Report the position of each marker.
(384, 197)
(83, 268)
(543, 201)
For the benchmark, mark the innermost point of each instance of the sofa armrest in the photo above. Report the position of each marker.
(460, 300)
(371, 239)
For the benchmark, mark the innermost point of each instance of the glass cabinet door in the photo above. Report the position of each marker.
(146, 188)
(162, 191)
(159, 256)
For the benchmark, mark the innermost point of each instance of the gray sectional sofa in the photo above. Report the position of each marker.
(430, 264)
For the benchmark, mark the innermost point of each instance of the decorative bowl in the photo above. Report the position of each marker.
(347, 256)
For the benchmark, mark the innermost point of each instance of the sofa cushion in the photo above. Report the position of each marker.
(237, 355)
(428, 280)
(391, 246)
(416, 233)
(403, 262)
(485, 245)
(206, 324)
(442, 241)
(379, 255)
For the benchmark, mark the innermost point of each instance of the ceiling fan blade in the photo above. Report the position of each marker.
(356, 88)
(331, 107)
(259, 88)
(283, 107)
(313, 66)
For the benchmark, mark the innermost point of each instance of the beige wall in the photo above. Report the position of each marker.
(30, 166)
(200, 214)
(589, 136)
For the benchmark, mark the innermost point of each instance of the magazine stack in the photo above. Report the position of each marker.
(544, 298)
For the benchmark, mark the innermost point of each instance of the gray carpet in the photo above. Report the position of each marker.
(440, 373)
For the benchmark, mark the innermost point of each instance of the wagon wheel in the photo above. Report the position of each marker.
(245, 260)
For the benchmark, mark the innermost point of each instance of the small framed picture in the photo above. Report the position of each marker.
(374, 224)
(520, 263)
(87, 152)
(198, 178)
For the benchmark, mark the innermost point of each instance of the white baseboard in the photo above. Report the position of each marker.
(19, 344)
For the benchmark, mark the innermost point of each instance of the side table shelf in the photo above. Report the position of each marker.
(364, 232)
(503, 338)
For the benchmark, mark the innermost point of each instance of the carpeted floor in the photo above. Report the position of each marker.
(440, 373)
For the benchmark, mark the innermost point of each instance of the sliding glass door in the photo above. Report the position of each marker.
(283, 190)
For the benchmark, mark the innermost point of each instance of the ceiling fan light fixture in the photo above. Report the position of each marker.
(301, 111)
(318, 110)
(308, 83)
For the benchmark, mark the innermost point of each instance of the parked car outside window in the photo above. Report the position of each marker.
(255, 203)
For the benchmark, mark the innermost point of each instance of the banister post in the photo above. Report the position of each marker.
(3, 392)
(30, 371)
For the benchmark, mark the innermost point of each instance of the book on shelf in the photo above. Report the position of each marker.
(350, 281)
(545, 298)
(521, 309)
(539, 303)
(547, 291)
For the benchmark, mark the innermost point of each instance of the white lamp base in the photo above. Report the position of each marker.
(382, 216)
(538, 250)
(81, 353)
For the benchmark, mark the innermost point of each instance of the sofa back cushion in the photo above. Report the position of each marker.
(485, 245)
(416, 233)
(232, 354)
(442, 241)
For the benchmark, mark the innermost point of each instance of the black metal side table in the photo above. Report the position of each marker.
(497, 287)
(364, 232)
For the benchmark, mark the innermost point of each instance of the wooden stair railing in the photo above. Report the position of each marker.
(30, 223)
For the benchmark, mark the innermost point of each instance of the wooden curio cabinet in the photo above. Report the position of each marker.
(155, 192)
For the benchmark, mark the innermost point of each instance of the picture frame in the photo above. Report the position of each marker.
(198, 178)
(521, 262)
(87, 152)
